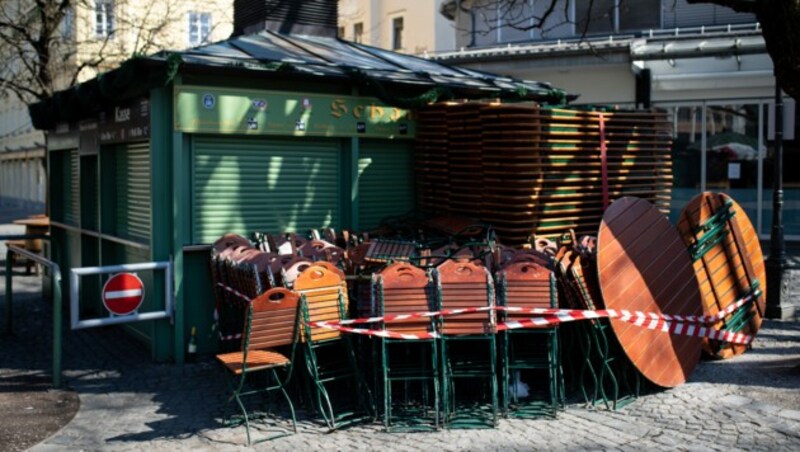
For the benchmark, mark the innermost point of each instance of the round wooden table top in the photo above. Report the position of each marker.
(643, 265)
(34, 221)
(727, 269)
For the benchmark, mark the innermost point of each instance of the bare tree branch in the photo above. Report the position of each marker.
(41, 53)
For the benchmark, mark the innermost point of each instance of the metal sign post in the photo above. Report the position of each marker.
(113, 319)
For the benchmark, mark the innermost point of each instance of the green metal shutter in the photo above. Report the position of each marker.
(245, 185)
(71, 194)
(133, 192)
(385, 185)
(89, 193)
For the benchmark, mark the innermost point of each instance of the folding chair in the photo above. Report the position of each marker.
(467, 342)
(528, 350)
(231, 309)
(293, 269)
(401, 289)
(271, 321)
(329, 354)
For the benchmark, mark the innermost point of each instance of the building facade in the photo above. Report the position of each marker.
(93, 37)
(407, 26)
(707, 65)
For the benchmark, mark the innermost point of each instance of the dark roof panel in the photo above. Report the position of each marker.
(400, 80)
(263, 47)
(338, 52)
(409, 62)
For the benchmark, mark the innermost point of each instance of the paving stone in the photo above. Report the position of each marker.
(130, 404)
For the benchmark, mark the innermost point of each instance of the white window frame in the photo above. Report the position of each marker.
(195, 18)
(67, 25)
(104, 23)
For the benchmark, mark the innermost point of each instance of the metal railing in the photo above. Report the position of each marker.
(74, 296)
(620, 38)
(55, 272)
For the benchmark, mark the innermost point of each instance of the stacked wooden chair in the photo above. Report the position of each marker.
(531, 352)
(338, 389)
(467, 343)
(409, 365)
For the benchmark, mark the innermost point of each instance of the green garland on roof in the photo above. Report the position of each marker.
(559, 96)
(361, 78)
(553, 96)
(174, 62)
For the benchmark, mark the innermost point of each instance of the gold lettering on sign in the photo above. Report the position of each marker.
(396, 114)
(375, 111)
(358, 111)
(338, 108)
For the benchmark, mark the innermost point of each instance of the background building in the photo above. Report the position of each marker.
(408, 26)
(93, 36)
(706, 64)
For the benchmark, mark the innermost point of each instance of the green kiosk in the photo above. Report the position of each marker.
(270, 132)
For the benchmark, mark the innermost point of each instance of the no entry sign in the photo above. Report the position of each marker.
(123, 293)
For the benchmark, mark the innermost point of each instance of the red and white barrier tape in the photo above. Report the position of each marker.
(229, 337)
(388, 334)
(625, 315)
(235, 292)
(639, 317)
(677, 328)
(674, 324)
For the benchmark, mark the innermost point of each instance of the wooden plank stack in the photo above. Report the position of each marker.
(431, 159)
(542, 170)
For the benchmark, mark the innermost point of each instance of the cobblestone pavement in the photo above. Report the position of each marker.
(129, 403)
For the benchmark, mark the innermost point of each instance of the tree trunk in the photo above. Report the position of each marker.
(779, 20)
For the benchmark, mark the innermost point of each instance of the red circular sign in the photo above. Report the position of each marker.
(123, 293)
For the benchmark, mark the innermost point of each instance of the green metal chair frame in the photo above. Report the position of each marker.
(271, 321)
(475, 328)
(326, 302)
(529, 349)
(605, 365)
(398, 363)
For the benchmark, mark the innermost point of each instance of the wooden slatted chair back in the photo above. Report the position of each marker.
(326, 299)
(405, 289)
(229, 240)
(465, 285)
(293, 269)
(274, 319)
(330, 266)
(526, 285)
(333, 268)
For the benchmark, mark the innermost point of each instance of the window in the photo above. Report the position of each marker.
(397, 33)
(199, 28)
(594, 16)
(614, 16)
(67, 23)
(639, 15)
(358, 32)
(103, 18)
(340, 32)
